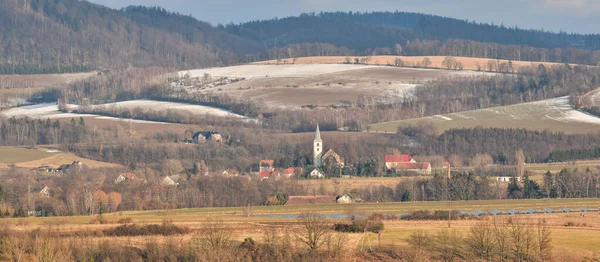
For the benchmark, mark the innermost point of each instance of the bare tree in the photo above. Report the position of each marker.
(426, 62)
(544, 242)
(480, 241)
(314, 230)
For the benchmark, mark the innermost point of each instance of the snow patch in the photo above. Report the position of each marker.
(444, 117)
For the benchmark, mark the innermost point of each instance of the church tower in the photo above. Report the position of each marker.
(318, 149)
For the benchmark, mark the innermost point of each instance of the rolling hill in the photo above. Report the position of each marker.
(57, 36)
(552, 114)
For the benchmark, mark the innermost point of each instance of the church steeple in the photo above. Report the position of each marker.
(318, 135)
(318, 149)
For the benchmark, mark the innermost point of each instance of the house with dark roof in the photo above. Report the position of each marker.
(207, 136)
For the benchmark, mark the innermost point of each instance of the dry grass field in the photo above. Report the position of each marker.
(552, 114)
(11, 155)
(470, 63)
(575, 233)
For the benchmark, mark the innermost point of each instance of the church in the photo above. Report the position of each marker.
(319, 158)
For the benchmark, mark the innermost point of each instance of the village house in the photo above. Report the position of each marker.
(203, 137)
(45, 192)
(173, 180)
(124, 177)
(403, 162)
(268, 174)
(231, 172)
(316, 173)
(266, 165)
(347, 199)
(291, 172)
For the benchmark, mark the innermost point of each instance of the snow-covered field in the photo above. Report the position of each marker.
(553, 114)
(298, 85)
(50, 110)
(161, 106)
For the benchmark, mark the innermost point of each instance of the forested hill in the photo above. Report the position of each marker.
(51, 36)
(57, 36)
(351, 28)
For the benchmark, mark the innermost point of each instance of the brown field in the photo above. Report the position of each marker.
(32, 158)
(470, 63)
(140, 130)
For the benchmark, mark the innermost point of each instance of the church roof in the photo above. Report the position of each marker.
(318, 134)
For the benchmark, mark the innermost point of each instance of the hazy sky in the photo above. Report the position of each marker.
(581, 16)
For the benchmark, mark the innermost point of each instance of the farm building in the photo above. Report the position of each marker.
(507, 178)
(310, 200)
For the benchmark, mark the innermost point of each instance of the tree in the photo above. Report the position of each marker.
(426, 62)
(520, 162)
(482, 160)
(313, 230)
(398, 49)
(544, 242)
(514, 190)
(449, 62)
(114, 200)
(480, 241)
(398, 62)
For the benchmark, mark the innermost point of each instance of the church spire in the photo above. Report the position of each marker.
(318, 134)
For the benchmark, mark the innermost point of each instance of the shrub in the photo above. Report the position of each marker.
(126, 220)
(165, 229)
(427, 215)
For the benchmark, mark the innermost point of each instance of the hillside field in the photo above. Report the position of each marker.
(552, 114)
(296, 85)
(469, 63)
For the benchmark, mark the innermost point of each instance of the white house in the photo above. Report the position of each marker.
(507, 179)
(316, 173)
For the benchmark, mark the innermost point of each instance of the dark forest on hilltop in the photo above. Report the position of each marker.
(56, 36)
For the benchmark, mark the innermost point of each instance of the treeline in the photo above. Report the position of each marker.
(93, 191)
(27, 131)
(499, 143)
(400, 33)
(574, 154)
(480, 184)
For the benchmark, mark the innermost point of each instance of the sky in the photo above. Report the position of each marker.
(579, 16)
